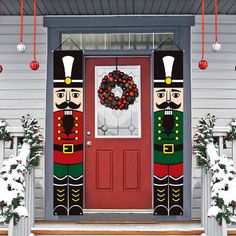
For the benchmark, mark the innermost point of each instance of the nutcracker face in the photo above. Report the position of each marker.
(168, 98)
(68, 99)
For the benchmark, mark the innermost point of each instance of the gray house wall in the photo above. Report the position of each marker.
(23, 91)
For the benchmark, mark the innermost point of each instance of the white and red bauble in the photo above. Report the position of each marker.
(203, 64)
(21, 47)
(34, 65)
(216, 47)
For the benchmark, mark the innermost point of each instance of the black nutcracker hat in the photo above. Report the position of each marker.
(168, 69)
(68, 69)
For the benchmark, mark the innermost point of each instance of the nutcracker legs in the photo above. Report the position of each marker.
(161, 189)
(60, 187)
(168, 189)
(75, 195)
(68, 189)
(176, 195)
(176, 189)
(75, 204)
(161, 195)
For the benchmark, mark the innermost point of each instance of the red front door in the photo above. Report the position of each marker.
(118, 163)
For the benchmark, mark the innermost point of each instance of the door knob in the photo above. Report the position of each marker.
(88, 143)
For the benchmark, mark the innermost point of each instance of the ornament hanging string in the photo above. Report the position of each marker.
(216, 45)
(203, 28)
(1, 68)
(203, 64)
(21, 20)
(35, 27)
(21, 47)
(216, 20)
(34, 65)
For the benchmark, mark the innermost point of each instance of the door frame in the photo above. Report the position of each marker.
(117, 210)
(180, 26)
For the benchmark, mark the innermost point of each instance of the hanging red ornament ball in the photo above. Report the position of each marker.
(203, 64)
(1, 68)
(34, 65)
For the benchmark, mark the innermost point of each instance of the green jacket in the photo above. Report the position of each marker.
(168, 149)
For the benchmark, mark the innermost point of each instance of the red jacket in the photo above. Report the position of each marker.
(68, 149)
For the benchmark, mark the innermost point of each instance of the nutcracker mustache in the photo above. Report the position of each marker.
(168, 104)
(68, 104)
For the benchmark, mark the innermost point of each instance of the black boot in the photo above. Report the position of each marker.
(176, 195)
(76, 195)
(60, 187)
(160, 195)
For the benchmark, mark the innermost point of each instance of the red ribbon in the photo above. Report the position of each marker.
(203, 28)
(21, 20)
(35, 22)
(216, 20)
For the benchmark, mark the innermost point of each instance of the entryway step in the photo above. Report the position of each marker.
(118, 229)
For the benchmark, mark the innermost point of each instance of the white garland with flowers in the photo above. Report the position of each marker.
(12, 179)
(223, 173)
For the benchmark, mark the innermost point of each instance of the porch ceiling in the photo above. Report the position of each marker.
(116, 7)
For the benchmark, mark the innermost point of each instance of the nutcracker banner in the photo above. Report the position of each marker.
(168, 132)
(68, 133)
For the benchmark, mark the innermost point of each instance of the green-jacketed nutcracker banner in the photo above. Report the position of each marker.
(68, 133)
(168, 132)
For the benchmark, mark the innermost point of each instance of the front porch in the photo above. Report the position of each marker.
(24, 92)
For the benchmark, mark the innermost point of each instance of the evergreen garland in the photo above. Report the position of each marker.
(4, 134)
(12, 182)
(33, 137)
(223, 191)
(231, 134)
(202, 137)
(223, 174)
(12, 185)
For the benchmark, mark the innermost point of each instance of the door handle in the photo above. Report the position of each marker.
(88, 133)
(88, 143)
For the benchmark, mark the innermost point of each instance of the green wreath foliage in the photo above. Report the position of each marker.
(125, 82)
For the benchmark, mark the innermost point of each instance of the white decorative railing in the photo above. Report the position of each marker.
(23, 228)
(212, 228)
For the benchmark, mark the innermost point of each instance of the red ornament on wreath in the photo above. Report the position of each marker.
(125, 82)
(1, 68)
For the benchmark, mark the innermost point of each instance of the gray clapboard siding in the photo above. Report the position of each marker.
(213, 90)
(23, 91)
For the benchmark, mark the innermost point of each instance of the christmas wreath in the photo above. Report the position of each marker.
(125, 82)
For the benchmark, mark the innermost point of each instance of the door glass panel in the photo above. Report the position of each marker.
(111, 123)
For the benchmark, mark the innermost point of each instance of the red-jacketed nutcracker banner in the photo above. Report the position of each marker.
(68, 133)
